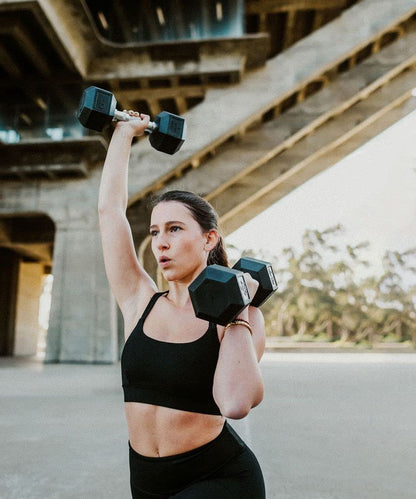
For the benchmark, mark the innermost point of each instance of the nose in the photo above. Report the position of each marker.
(162, 242)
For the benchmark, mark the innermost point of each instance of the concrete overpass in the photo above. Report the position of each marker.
(257, 129)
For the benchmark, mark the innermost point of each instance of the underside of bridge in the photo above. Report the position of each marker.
(273, 91)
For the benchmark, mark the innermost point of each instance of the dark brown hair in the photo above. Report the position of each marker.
(204, 214)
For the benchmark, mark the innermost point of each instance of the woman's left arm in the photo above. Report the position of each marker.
(238, 383)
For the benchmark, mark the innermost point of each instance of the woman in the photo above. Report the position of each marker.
(181, 376)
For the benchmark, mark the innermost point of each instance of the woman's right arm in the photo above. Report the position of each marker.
(131, 285)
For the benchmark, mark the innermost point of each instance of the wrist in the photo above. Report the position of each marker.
(241, 323)
(125, 137)
(243, 315)
(123, 131)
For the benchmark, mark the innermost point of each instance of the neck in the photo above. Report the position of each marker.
(179, 294)
(178, 290)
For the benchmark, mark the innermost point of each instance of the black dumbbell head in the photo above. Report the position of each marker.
(263, 273)
(96, 108)
(219, 294)
(170, 133)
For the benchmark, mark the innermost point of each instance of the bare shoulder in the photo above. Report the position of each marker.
(256, 320)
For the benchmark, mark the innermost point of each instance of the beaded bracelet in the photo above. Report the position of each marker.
(239, 322)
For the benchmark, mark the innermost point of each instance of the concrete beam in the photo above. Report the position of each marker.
(8, 64)
(71, 157)
(35, 252)
(177, 91)
(17, 31)
(70, 25)
(273, 6)
(129, 63)
(99, 59)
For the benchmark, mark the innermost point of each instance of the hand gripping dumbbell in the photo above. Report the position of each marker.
(97, 109)
(219, 293)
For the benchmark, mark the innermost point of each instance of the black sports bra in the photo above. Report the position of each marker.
(176, 375)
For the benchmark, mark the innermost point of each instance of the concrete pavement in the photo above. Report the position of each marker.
(334, 425)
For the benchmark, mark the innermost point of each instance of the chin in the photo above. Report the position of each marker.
(169, 275)
(172, 276)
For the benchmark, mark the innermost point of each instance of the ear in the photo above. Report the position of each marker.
(211, 239)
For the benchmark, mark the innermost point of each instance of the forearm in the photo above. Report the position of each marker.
(238, 383)
(113, 195)
(113, 192)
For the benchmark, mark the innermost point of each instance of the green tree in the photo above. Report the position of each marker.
(397, 294)
(320, 295)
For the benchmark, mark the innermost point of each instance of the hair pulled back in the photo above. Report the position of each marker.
(204, 214)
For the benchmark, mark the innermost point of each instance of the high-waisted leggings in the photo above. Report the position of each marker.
(224, 468)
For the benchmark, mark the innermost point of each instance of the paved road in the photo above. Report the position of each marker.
(332, 426)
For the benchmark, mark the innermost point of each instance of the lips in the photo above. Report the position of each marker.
(164, 260)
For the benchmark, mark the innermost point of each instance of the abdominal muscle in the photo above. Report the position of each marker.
(156, 431)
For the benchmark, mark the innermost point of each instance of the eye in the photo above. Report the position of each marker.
(175, 228)
(153, 233)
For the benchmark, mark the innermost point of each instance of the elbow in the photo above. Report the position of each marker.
(259, 399)
(239, 409)
(109, 205)
(101, 211)
(235, 411)
(102, 208)
(108, 212)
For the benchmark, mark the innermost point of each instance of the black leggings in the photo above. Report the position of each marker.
(224, 468)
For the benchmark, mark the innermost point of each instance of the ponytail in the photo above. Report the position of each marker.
(218, 255)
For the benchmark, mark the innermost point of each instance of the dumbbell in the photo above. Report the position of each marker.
(219, 293)
(97, 108)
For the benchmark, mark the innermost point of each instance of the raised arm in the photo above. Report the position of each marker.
(131, 285)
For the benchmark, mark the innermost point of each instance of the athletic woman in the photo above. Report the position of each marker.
(182, 376)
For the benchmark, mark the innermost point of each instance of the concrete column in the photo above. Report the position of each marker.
(82, 325)
(27, 310)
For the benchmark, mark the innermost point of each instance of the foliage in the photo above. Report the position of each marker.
(321, 297)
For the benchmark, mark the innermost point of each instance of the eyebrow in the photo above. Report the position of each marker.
(171, 222)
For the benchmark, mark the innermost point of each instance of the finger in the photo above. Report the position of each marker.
(247, 276)
(145, 118)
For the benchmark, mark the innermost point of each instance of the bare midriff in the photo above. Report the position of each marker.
(156, 431)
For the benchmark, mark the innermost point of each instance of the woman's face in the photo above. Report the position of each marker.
(178, 243)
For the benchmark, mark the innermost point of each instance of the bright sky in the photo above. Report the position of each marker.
(371, 192)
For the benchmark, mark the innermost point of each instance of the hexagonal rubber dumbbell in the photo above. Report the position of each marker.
(262, 272)
(97, 109)
(219, 294)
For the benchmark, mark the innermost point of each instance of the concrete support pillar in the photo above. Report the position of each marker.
(27, 310)
(83, 324)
